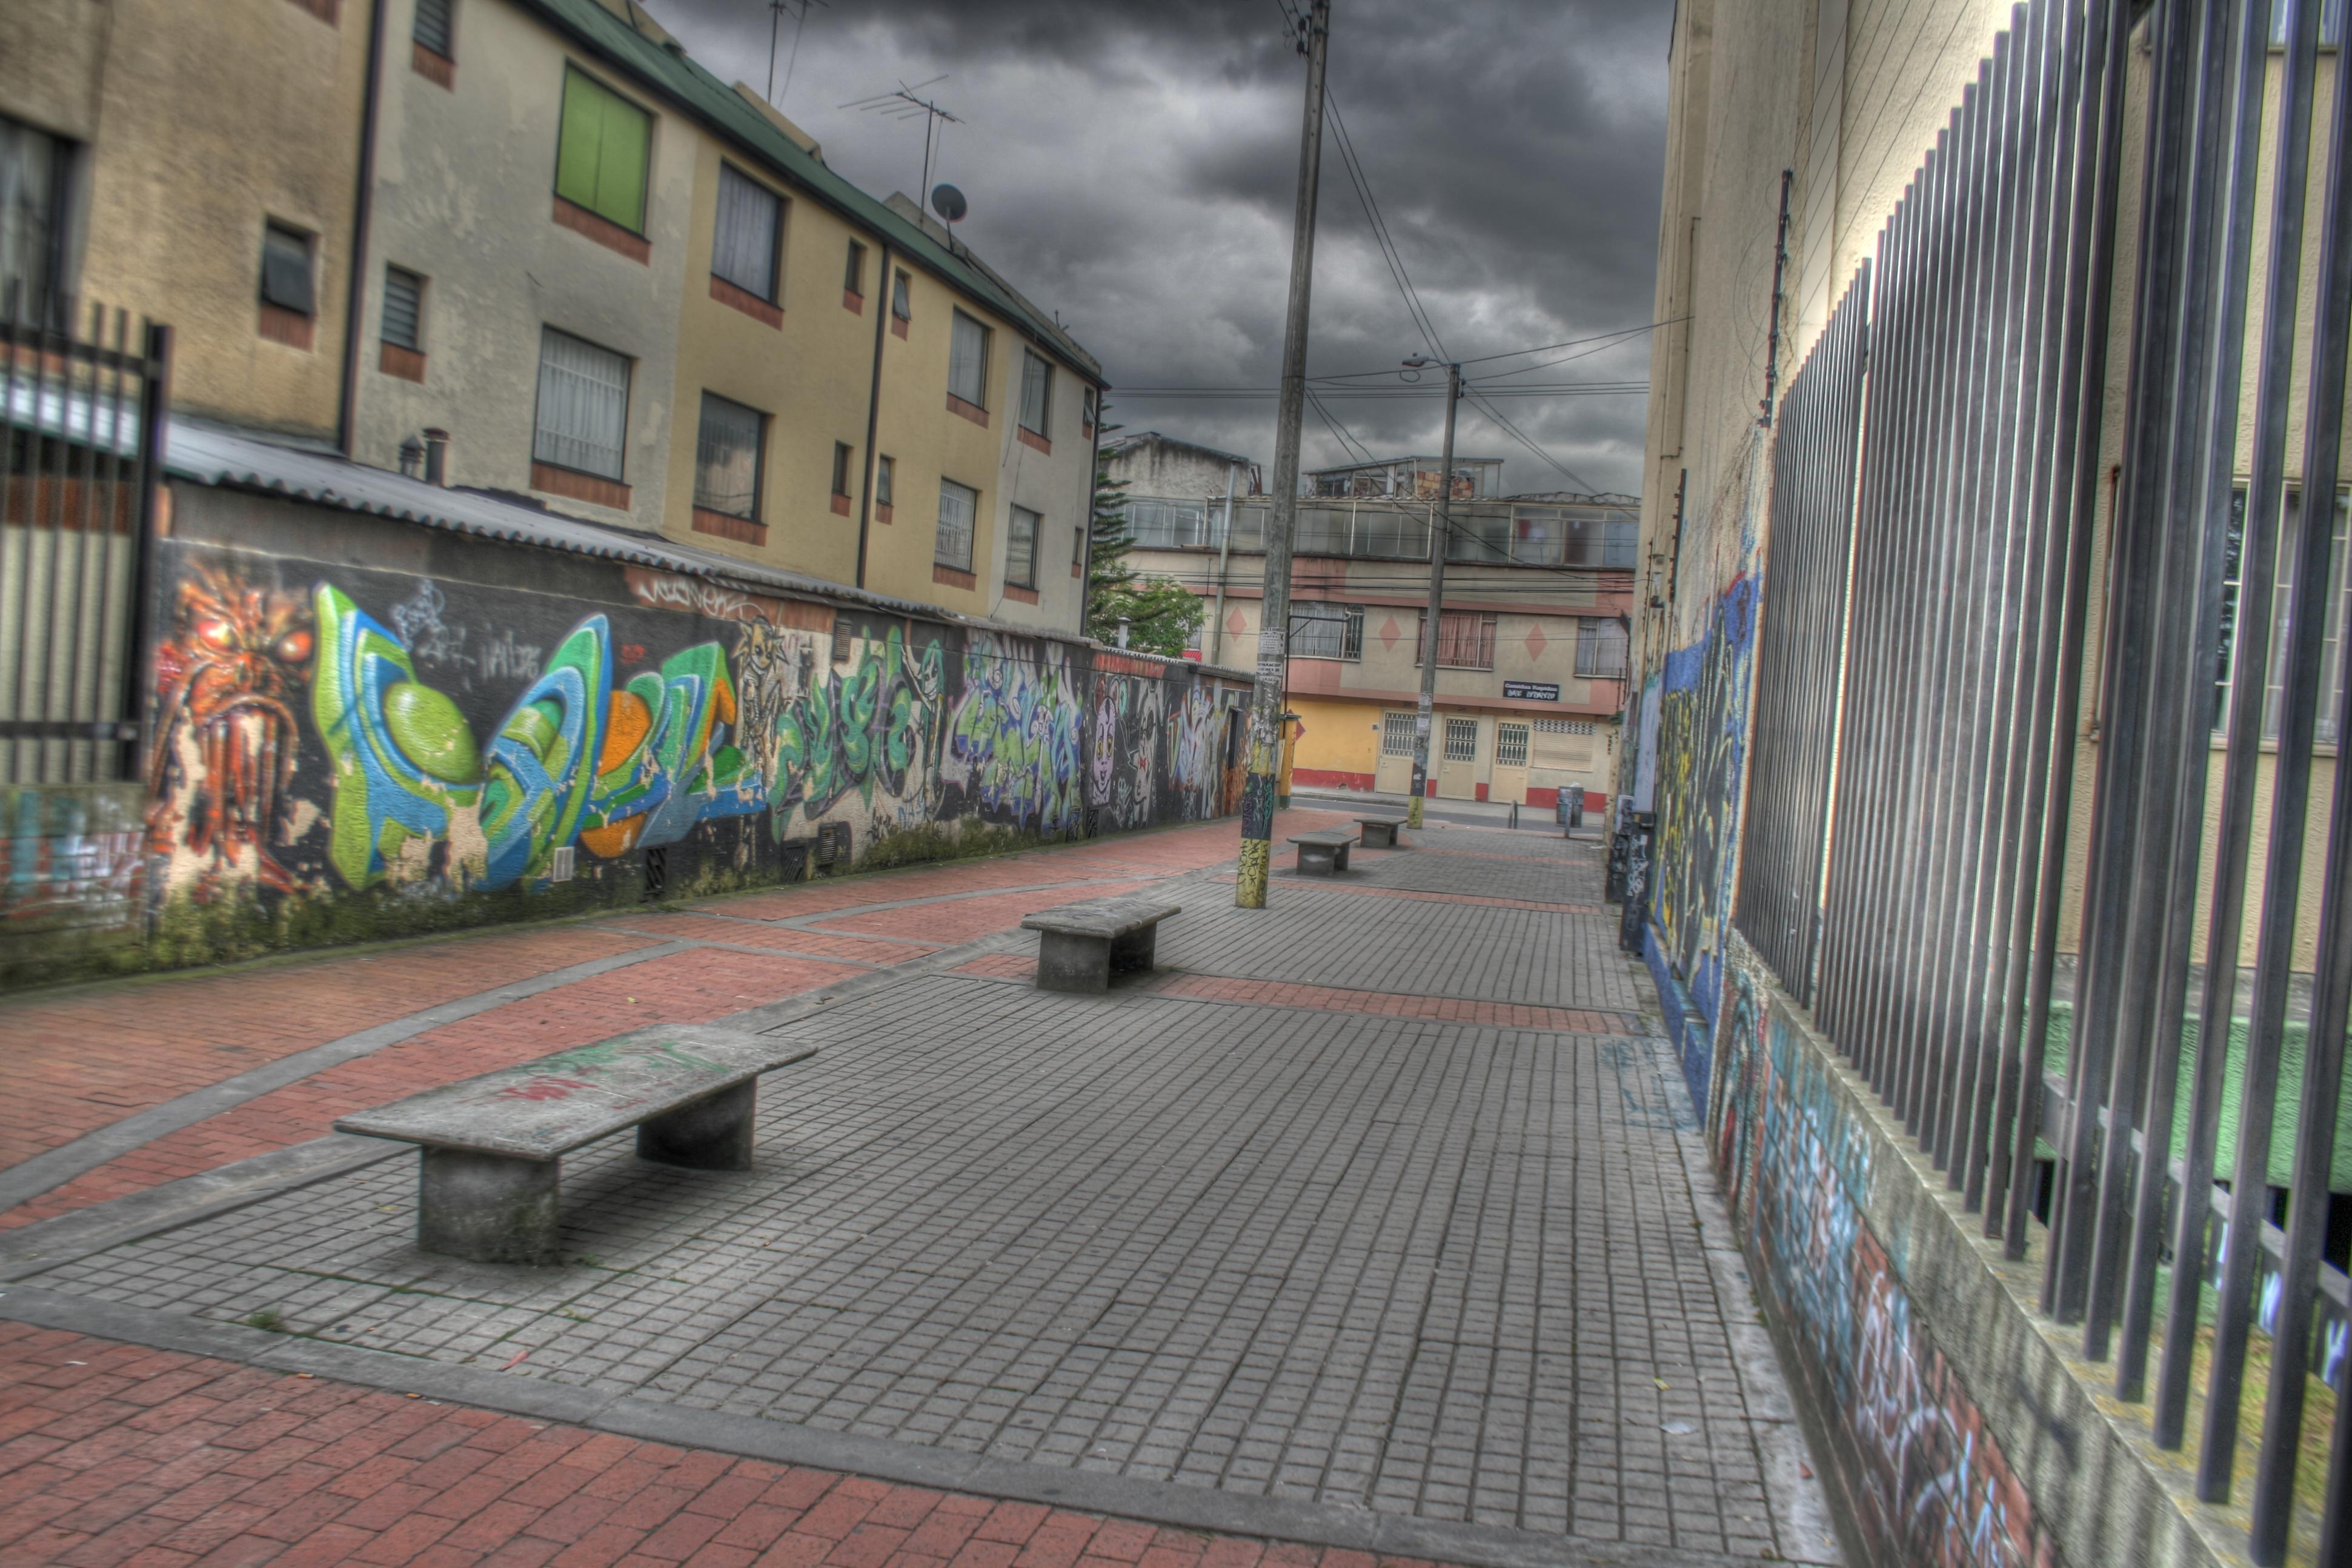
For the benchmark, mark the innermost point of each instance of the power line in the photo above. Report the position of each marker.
(1603, 338)
(1496, 415)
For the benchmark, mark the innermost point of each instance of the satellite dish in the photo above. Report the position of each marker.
(947, 202)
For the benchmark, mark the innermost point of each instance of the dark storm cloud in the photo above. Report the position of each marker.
(1132, 166)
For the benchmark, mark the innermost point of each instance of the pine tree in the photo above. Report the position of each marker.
(1160, 612)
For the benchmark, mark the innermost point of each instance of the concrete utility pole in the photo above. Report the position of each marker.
(1224, 560)
(1273, 625)
(1440, 539)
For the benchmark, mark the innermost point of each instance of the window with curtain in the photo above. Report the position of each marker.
(436, 26)
(1600, 649)
(959, 509)
(750, 228)
(1021, 549)
(286, 269)
(583, 406)
(968, 362)
(601, 151)
(1036, 393)
(404, 309)
(901, 305)
(32, 207)
(1466, 639)
(727, 457)
(1322, 629)
(882, 477)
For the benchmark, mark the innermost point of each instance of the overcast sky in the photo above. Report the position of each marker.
(1131, 165)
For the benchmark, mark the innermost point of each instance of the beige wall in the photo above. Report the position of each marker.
(197, 124)
(465, 195)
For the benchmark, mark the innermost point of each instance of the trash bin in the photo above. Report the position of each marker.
(1570, 808)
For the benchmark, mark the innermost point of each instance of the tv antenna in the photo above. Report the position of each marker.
(902, 104)
(776, 9)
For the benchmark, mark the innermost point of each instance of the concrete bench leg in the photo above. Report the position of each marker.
(713, 1133)
(1317, 857)
(1132, 953)
(1067, 961)
(487, 1208)
(1340, 858)
(1378, 837)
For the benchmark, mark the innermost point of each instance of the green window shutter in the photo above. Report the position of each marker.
(621, 172)
(599, 161)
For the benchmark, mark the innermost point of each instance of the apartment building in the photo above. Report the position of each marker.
(1530, 646)
(588, 274)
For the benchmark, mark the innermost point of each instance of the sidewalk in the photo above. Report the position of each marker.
(1375, 1221)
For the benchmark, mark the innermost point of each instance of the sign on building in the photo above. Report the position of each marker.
(1531, 691)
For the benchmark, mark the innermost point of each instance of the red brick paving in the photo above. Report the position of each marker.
(688, 987)
(961, 919)
(114, 1454)
(82, 1059)
(1483, 902)
(749, 932)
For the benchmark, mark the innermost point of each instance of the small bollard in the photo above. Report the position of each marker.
(1514, 816)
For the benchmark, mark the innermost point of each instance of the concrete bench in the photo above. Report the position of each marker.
(1084, 944)
(1380, 832)
(1323, 851)
(493, 1146)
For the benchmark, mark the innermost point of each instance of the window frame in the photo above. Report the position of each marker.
(1592, 636)
(853, 271)
(273, 227)
(1037, 371)
(759, 456)
(539, 407)
(575, 77)
(844, 454)
(902, 295)
(1452, 726)
(1485, 625)
(987, 350)
(970, 531)
(416, 343)
(1037, 520)
(885, 473)
(1350, 637)
(777, 204)
(57, 158)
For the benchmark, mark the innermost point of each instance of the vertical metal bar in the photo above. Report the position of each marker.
(2142, 1059)
(14, 496)
(2249, 678)
(2100, 988)
(1996, 1007)
(68, 607)
(2082, 399)
(2331, 1000)
(2198, 516)
(155, 425)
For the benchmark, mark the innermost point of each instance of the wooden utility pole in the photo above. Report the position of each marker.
(1440, 539)
(1282, 517)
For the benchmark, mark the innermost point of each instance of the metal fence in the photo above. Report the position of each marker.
(1798, 644)
(2188, 1191)
(82, 416)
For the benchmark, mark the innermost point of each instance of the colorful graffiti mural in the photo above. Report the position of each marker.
(372, 730)
(1929, 1484)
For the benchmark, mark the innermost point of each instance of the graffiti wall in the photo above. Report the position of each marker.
(1925, 1482)
(338, 736)
(1702, 714)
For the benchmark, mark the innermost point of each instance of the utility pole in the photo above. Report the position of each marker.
(1224, 560)
(1282, 517)
(1440, 539)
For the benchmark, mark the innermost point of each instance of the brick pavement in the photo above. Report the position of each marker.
(1383, 1204)
(118, 1455)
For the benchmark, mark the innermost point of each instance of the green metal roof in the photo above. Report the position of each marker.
(668, 69)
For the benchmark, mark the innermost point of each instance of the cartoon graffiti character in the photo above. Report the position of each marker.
(1105, 767)
(227, 680)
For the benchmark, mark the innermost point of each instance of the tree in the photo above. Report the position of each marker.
(1160, 612)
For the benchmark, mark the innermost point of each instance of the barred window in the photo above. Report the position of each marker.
(958, 509)
(1461, 740)
(1324, 630)
(1600, 649)
(404, 309)
(583, 406)
(727, 457)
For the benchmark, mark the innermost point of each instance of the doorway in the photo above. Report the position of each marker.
(1393, 774)
(1457, 767)
(1510, 781)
